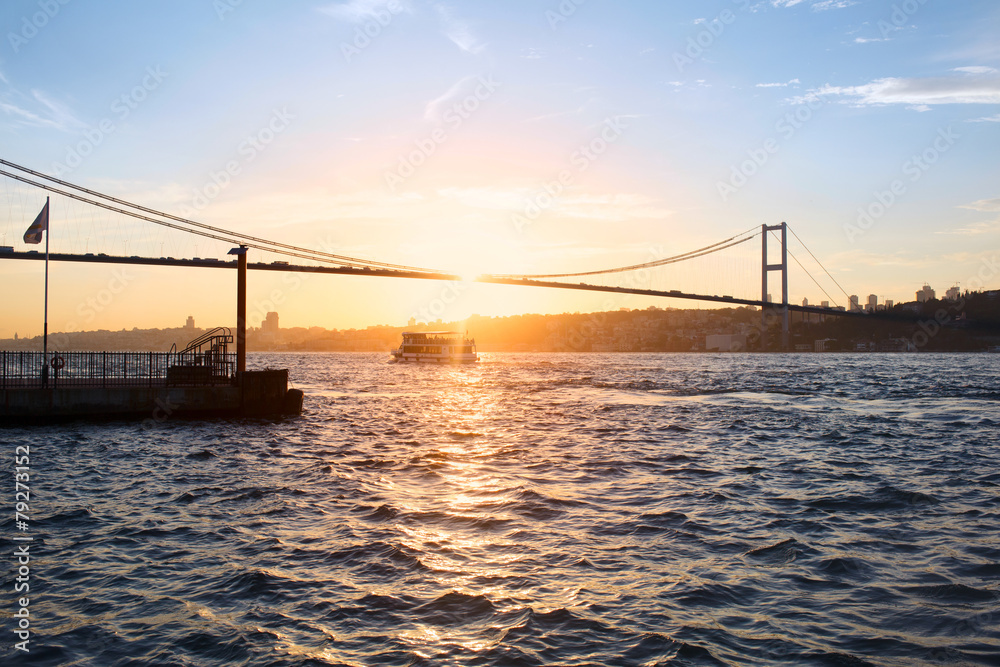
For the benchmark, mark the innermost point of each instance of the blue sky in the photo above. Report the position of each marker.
(711, 117)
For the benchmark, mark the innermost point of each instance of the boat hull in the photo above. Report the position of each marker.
(436, 358)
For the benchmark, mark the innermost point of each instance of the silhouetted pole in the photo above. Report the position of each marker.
(45, 327)
(241, 307)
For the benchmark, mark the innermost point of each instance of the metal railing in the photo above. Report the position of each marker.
(217, 339)
(115, 369)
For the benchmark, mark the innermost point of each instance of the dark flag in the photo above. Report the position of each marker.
(41, 224)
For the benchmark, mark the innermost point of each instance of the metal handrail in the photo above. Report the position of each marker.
(224, 334)
(112, 369)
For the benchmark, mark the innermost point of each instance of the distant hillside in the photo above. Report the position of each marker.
(971, 323)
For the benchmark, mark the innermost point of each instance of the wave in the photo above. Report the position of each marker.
(885, 498)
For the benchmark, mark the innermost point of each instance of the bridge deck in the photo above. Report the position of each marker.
(416, 275)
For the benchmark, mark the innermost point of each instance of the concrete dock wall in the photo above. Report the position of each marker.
(255, 393)
(156, 402)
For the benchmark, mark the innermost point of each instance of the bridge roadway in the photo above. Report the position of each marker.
(387, 273)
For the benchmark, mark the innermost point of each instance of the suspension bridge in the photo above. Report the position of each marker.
(736, 260)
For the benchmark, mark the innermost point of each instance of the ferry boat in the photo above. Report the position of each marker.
(441, 347)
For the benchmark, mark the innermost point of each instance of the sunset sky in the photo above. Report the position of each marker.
(422, 133)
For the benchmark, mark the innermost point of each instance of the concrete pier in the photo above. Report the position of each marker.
(252, 394)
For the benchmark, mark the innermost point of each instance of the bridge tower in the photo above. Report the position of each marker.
(767, 268)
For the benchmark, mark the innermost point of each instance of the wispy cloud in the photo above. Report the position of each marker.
(868, 40)
(778, 85)
(459, 31)
(25, 115)
(986, 119)
(992, 205)
(433, 109)
(977, 228)
(359, 11)
(38, 110)
(916, 93)
(60, 114)
(819, 6)
(976, 69)
(824, 5)
(974, 229)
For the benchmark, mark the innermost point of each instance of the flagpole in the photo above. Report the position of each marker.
(45, 329)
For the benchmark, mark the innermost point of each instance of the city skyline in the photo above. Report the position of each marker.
(436, 135)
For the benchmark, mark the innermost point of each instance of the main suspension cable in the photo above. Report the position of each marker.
(707, 250)
(218, 230)
(233, 239)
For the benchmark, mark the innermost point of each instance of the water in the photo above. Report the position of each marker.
(533, 510)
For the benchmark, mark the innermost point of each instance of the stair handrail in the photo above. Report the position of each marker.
(217, 332)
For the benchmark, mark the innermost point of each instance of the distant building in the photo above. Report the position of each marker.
(889, 304)
(823, 345)
(805, 303)
(926, 294)
(824, 304)
(953, 293)
(872, 302)
(270, 324)
(190, 322)
(854, 303)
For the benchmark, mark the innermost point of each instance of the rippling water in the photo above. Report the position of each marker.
(533, 510)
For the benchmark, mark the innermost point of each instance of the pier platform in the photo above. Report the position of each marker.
(141, 385)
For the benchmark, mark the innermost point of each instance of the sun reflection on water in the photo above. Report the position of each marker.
(458, 523)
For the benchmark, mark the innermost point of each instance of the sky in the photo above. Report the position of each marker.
(537, 136)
